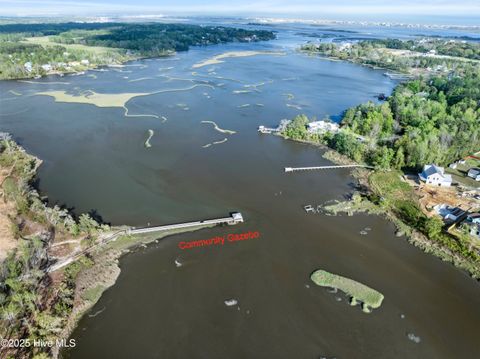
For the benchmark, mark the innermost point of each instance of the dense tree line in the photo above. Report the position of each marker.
(469, 50)
(154, 38)
(147, 39)
(376, 53)
(46, 29)
(424, 121)
(127, 41)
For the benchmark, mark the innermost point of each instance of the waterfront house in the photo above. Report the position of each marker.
(474, 173)
(47, 67)
(435, 176)
(450, 214)
(322, 127)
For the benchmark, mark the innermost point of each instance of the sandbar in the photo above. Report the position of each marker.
(220, 58)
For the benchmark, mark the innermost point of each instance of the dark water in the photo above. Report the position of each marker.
(95, 159)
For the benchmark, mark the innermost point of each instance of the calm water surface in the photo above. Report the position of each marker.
(94, 159)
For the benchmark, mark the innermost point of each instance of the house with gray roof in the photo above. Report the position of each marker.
(435, 176)
(474, 173)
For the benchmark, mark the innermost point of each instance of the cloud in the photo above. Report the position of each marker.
(232, 7)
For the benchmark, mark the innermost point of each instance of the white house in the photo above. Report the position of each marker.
(322, 126)
(435, 175)
(47, 67)
(474, 173)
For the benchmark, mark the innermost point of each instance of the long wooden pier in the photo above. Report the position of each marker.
(233, 219)
(295, 169)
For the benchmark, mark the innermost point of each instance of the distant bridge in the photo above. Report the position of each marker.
(295, 169)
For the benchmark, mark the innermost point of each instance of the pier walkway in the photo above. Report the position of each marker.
(234, 218)
(295, 169)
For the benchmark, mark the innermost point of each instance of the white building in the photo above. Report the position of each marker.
(237, 217)
(474, 173)
(28, 66)
(47, 67)
(434, 175)
(322, 127)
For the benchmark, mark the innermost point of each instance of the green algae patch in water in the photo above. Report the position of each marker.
(370, 298)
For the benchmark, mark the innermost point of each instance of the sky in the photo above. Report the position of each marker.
(338, 9)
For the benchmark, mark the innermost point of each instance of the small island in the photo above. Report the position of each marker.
(359, 293)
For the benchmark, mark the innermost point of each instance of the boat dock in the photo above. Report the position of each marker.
(295, 169)
(263, 129)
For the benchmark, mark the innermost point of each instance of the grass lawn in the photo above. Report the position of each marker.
(391, 186)
(97, 50)
(459, 174)
(397, 195)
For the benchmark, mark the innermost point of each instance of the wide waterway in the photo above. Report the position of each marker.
(95, 159)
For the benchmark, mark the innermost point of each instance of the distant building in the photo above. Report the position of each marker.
(28, 66)
(85, 62)
(345, 46)
(473, 229)
(281, 127)
(47, 67)
(473, 217)
(474, 173)
(322, 127)
(435, 176)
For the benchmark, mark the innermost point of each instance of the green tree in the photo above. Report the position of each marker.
(383, 157)
(297, 128)
(433, 227)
